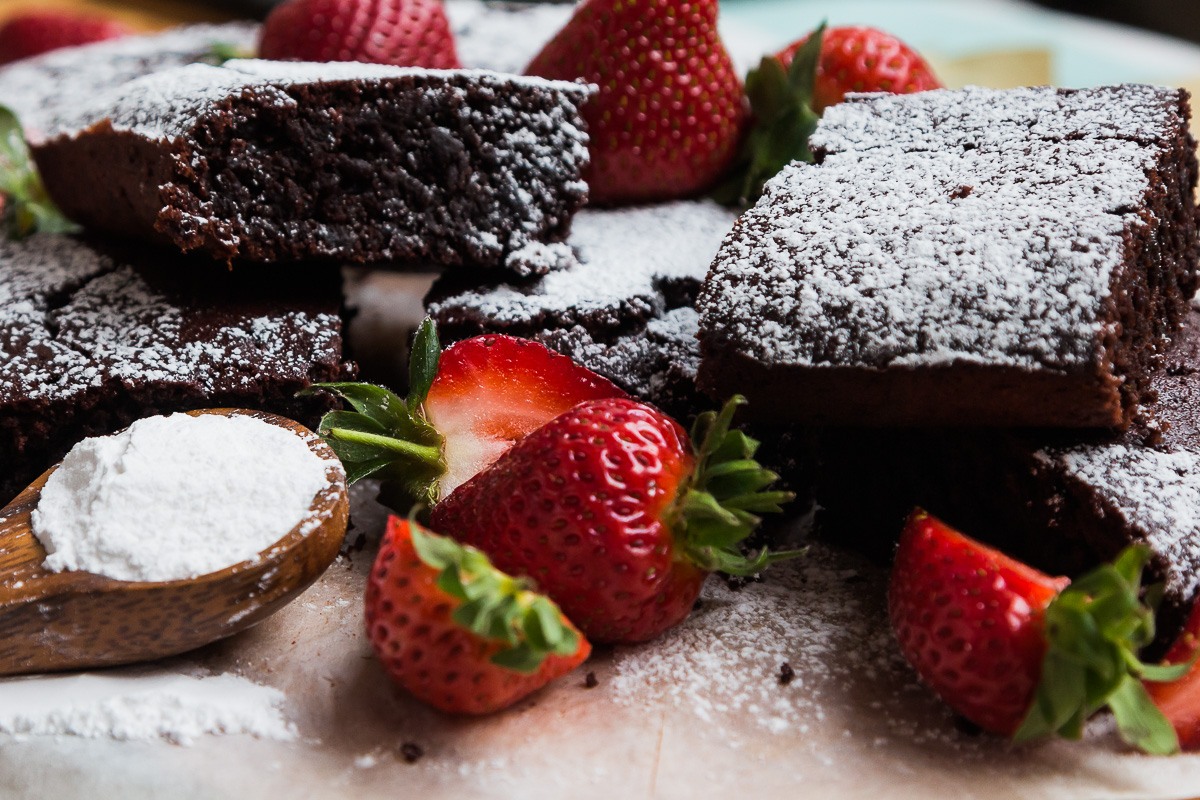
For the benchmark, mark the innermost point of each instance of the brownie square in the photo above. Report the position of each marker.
(92, 340)
(281, 161)
(974, 257)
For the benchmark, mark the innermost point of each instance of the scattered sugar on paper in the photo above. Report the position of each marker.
(822, 614)
(141, 704)
(178, 496)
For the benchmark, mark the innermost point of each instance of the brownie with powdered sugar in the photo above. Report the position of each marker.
(621, 305)
(40, 90)
(972, 257)
(93, 339)
(280, 161)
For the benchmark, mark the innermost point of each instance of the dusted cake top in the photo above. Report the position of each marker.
(168, 103)
(39, 89)
(934, 242)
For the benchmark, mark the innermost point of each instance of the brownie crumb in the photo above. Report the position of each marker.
(961, 192)
(411, 752)
(786, 673)
(738, 582)
(699, 604)
(591, 681)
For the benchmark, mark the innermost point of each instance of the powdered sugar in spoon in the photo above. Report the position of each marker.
(70, 620)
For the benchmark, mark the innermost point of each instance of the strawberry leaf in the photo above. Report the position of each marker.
(1094, 630)
(781, 104)
(386, 438)
(718, 509)
(423, 363)
(495, 606)
(27, 208)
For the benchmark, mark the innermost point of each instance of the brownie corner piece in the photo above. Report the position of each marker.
(952, 276)
(282, 162)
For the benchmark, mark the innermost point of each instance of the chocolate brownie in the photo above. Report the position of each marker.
(622, 306)
(973, 257)
(90, 341)
(279, 161)
(42, 89)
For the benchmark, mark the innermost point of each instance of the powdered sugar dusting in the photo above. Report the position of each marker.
(141, 705)
(998, 254)
(61, 82)
(1156, 492)
(623, 256)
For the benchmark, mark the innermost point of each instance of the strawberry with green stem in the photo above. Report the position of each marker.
(456, 632)
(1021, 653)
(617, 515)
(465, 406)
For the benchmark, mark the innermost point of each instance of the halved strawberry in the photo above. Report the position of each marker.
(1021, 653)
(466, 406)
(458, 633)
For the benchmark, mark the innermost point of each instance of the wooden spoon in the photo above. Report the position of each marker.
(70, 620)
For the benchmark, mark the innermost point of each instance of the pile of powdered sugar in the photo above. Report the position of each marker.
(141, 704)
(178, 496)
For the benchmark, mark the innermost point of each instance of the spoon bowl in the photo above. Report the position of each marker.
(72, 620)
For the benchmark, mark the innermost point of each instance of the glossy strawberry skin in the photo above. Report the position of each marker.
(855, 59)
(491, 391)
(580, 506)
(969, 620)
(407, 33)
(32, 33)
(1180, 700)
(426, 652)
(670, 111)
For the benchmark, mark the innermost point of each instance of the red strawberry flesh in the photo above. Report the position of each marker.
(491, 391)
(1180, 700)
(409, 33)
(32, 33)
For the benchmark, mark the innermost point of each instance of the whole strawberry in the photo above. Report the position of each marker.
(406, 33)
(456, 632)
(670, 111)
(465, 406)
(610, 510)
(1179, 700)
(857, 59)
(1018, 652)
(32, 33)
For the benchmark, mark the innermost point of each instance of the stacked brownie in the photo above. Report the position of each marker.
(276, 174)
(996, 281)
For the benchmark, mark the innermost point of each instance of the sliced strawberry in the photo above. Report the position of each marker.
(1018, 652)
(406, 33)
(465, 407)
(456, 632)
(32, 33)
(491, 391)
(1179, 700)
(615, 514)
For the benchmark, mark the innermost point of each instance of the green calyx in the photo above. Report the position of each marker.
(719, 508)
(387, 436)
(220, 52)
(27, 207)
(1094, 630)
(781, 104)
(496, 606)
